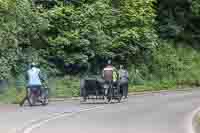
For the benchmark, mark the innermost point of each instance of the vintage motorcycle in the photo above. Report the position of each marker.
(35, 95)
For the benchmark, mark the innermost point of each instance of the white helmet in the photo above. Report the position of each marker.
(33, 64)
(109, 62)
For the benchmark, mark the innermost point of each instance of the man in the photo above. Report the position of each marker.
(34, 78)
(110, 75)
(123, 80)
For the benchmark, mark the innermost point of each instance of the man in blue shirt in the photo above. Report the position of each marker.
(34, 78)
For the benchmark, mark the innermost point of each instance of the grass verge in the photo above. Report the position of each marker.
(69, 87)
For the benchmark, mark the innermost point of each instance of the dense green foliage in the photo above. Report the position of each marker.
(196, 7)
(8, 40)
(80, 34)
(179, 20)
(156, 39)
(93, 32)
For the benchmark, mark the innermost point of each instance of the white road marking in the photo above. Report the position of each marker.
(16, 130)
(190, 121)
(39, 124)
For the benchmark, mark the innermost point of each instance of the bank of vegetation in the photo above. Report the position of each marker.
(157, 40)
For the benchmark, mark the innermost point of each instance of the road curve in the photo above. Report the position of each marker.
(166, 112)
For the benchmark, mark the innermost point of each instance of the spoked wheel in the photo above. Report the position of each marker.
(45, 101)
(109, 99)
(120, 95)
(45, 98)
(84, 99)
(119, 98)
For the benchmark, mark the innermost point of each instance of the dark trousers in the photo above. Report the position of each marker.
(31, 88)
(124, 87)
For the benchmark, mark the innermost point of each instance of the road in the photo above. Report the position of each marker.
(165, 112)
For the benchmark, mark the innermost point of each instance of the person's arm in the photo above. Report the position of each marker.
(120, 73)
(27, 79)
(127, 75)
(102, 74)
(41, 76)
(26, 76)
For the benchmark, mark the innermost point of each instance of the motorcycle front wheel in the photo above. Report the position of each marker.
(45, 98)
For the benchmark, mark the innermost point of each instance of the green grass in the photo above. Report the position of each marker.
(7, 96)
(158, 86)
(64, 87)
(59, 88)
(171, 69)
(12, 96)
(69, 87)
(153, 86)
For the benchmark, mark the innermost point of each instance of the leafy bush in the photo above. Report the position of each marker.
(196, 7)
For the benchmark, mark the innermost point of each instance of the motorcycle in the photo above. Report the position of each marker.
(35, 95)
(112, 92)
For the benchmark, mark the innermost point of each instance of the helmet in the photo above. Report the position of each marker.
(33, 64)
(109, 62)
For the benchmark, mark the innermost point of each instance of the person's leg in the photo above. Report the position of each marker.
(23, 101)
(126, 88)
(123, 88)
(111, 88)
(40, 90)
(82, 86)
(25, 98)
(115, 84)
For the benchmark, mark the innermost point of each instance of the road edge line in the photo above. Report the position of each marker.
(39, 124)
(196, 125)
(193, 121)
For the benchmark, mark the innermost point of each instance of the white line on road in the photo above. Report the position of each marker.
(39, 124)
(190, 121)
(28, 123)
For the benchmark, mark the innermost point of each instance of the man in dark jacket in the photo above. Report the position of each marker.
(110, 76)
(123, 80)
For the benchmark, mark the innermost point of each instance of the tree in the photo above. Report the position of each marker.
(135, 33)
(8, 40)
(196, 7)
(20, 28)
(97, 32)
(178, 20)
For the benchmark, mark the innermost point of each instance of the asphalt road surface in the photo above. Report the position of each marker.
(165, 112)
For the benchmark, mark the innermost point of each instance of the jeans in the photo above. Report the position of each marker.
(124, 86)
